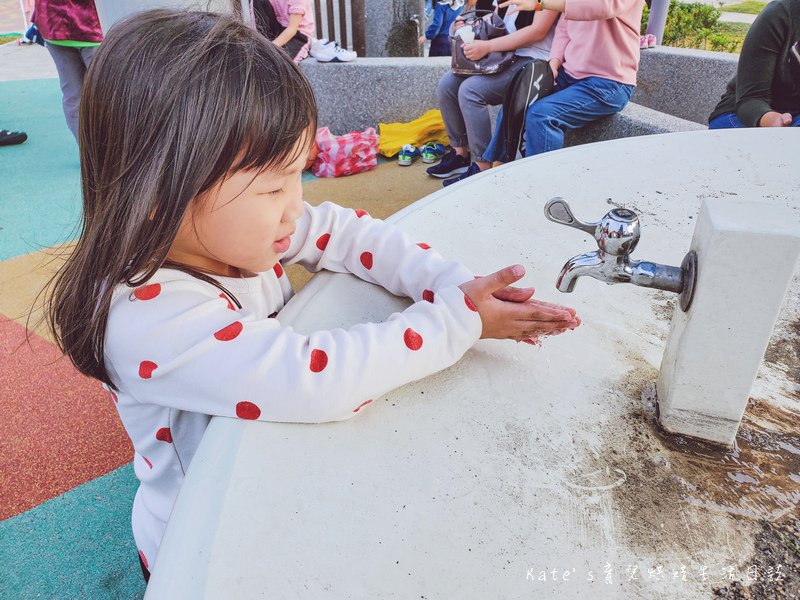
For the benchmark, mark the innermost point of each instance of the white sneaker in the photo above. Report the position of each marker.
(333, 52)
(317, 46)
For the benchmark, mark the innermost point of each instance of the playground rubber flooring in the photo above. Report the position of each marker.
(66, 480)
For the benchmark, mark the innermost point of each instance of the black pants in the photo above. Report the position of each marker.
(267, 24)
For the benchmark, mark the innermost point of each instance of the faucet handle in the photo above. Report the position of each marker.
(558, 211)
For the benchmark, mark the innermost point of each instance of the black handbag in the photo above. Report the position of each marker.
(485, 25)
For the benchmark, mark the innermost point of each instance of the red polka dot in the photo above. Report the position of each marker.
(319, 360)
(247, 410)
(470, 304)
(148, 292)
(361, 213)
(413, 339)
(323, 240)
(149, 464)
(164, 435)
(362, 405)
(427, 295)
(278, 270)
(424, 246)
(366, 259)
(230, 305)
(146, 368)
(226, 334)
(144, 560)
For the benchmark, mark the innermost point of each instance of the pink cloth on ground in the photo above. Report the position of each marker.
(599, 38)
(284, 8)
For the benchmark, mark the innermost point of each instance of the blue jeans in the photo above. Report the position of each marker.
(731, 121)
(575, 103)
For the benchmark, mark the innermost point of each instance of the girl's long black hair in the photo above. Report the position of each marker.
(173, 101)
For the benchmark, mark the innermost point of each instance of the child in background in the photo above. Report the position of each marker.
(192, 208)
(71, 31)
(287, 23)
(438, 32)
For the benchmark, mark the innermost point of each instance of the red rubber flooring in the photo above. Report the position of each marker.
(58, 429)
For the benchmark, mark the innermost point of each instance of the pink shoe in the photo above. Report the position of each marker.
(651, 40)
(642, 42)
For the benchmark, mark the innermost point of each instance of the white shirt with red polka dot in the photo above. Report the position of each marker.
(180, 351)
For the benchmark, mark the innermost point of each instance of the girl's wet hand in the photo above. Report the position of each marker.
(509, 313)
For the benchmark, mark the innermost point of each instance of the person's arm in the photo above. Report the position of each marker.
(291, 29)
(757, 62)
(534, 32)
(559, 46)
(579, 10)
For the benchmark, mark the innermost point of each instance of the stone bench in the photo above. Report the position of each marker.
(677, 90)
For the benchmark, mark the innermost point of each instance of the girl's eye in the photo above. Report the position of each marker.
(275, 192)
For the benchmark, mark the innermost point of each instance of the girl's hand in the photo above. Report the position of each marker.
(555, 65)
(476, 50)
(509, 313)
(421, 40)
(775, 119)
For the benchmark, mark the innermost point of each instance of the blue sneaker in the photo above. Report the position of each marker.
(431, 152)
(473, 169)
(451, 164)
(408, 154)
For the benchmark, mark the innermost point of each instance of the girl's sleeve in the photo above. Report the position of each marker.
(181, 344)
(560, 40)
(597, 10)
(436, 24)
(344, 240)
(297, 7)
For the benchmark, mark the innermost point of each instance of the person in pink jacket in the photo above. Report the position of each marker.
(594, 58)
(71, 31)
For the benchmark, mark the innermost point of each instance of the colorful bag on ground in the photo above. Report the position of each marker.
(347, 154)
(427, 128)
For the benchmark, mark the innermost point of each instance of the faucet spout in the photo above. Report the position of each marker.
(590, 263)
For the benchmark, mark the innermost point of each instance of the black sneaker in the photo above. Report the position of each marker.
(451, 164)
(9, 138)
(473, 169)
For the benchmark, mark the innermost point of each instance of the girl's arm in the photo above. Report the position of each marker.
(182, 345)
(526, 36)
(343, 240)
(291, 29)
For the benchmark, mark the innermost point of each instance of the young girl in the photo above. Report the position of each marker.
(192, 208)
(288, 23)
(438, 32)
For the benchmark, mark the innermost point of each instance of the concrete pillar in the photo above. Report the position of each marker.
(658, 19)
(747, 253)
(390, 30)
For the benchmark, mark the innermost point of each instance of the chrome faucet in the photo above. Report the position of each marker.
(617, 235)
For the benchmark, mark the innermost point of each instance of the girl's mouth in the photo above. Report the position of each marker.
(281, 245)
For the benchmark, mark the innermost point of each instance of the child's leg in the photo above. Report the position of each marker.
(71, 69)
(575, 103)
(474, 97)
(447, 95)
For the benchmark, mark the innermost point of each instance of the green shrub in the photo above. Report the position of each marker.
(695, 26)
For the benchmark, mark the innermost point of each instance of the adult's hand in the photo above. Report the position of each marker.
(775, 119)
(555, 65)
(476, 50)
(508, 313)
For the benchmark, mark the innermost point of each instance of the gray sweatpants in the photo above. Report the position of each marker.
(464, 102)
(71, 64)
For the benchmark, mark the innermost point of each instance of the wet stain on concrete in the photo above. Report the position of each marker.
(783, 352)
